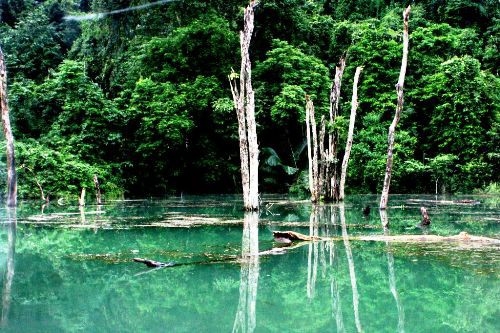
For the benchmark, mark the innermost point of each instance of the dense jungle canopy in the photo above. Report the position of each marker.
(137, 93)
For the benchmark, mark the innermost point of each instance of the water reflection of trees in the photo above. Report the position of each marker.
(8, 278)
(245, 320)
(384, 219)
(325, 222)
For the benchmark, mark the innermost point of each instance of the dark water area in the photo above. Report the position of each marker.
(66, 269)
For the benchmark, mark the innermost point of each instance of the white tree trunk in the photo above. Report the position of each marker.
(348, 146)
(9, 138)
(244, 104)
(332, 186)
(399, 108)
(312, 150)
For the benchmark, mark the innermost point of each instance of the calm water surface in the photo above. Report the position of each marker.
(69, 270)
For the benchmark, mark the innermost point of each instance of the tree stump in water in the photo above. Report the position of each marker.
(426, 220)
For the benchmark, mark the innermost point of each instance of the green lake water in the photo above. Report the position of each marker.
(65, 269)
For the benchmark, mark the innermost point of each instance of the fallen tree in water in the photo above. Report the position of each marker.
(288, 237)
(291, 236)
(154, 263)
(463, 202)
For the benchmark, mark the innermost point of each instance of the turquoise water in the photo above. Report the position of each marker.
(71, 270)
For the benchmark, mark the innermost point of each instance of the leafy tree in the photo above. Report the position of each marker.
(158, 124)
(204, 47)
(282, 81)
(38, 40)
(465, 106)
(32, 48)
(59, 173)
(85, 120)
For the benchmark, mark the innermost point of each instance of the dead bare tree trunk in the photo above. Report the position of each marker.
(332, 177)
(348, 146)
(81, 199)
(399, 108)
(9, 138)
(97, 191)
(323, 155)
(312, 150)
(244, 104)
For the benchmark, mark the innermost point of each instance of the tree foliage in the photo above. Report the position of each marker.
(142, 94)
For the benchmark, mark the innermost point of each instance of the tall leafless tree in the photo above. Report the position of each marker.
(312, 150)
(348, 146)
(9, 137)
(399, 108)
(244, 103)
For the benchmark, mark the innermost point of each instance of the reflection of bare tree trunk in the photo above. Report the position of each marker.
(9, 272)
(392, 275)
(334, 289)
(394, 291)
(352, 273)
(245, 320)
(312, 262)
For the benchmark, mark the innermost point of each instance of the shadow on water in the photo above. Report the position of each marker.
(74, 268)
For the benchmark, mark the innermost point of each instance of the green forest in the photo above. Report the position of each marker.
(137, 93)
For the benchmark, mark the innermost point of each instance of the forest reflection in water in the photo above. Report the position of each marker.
(73, 270)
(321, 259)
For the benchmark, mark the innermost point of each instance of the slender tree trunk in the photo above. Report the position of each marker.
(312, 150)
(323, 155)
(9, 138)
(332, 178)
(98, 196)
(399, 108)
(81, 199)
(244, 103)
(42, 194)
(348, 146)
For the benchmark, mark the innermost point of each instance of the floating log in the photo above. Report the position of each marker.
(282, 236)
(461, 237)
(464, 202)
(153, 263)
